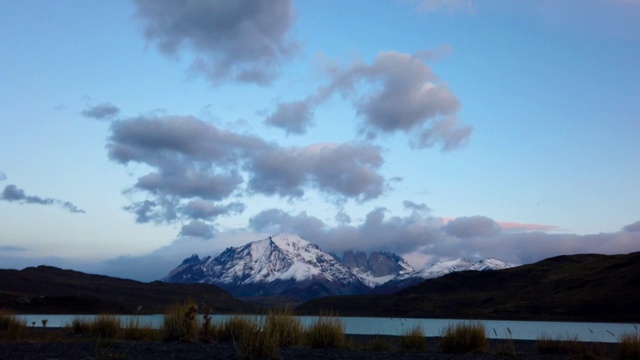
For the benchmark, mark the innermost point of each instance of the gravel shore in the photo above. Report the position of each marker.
(87, 349)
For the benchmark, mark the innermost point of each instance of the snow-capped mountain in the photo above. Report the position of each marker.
(287, 265)
(440, 269)
(283, 264)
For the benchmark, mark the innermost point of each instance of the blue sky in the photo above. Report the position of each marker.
(135, 133)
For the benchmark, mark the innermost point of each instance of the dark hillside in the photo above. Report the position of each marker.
(46, 289)
(577, 287)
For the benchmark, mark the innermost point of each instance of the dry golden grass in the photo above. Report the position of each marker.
(11, 327)
(629, 347)
(464, 337)
(326, 332)
(413, 339)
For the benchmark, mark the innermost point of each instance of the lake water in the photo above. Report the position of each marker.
(496, 329)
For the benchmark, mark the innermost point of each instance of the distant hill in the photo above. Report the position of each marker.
(573, 288)
(51, 290)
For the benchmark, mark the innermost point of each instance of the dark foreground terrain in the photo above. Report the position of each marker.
(360, 348)
(50, 290)
(585, 287)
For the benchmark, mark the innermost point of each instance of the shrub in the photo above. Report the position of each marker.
(181, 322)
(11, 327)
(464, 337)
(413, 339)
(106, 326)
(629, 347)
(326, 332)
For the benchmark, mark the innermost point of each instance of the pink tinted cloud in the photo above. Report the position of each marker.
(515, 226)
(509, 225)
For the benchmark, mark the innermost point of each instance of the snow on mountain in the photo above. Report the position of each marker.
(445, 267)
(489, 264)
(261, 267)
(287, 265)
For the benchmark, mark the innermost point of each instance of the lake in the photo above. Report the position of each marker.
(496, 329)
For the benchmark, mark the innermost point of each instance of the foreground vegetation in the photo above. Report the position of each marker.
(257, 337)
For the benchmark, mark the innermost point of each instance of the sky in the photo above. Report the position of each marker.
(136, 133)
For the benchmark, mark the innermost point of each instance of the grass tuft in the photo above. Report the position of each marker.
(286, 326)
(136, 332)
(629, 347)
(181, 322)
(326, 332)
(257, 340)
(80, 325)
(11, 327)
(413, 339)
(106, 326)
(464, 337)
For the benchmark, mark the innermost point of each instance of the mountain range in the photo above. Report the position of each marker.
(285, 265)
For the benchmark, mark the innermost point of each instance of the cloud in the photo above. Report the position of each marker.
(415, 206)
(398, 234)
(197, 228)
(202, 209)
(101, 112)
(12, 193)
(3, 177)
(450, 6)
(294, 117)
(426, 237)
(398, 92)
(10, 248)
(243, 40)
(474, 226)
(635, 227)
(194, 163)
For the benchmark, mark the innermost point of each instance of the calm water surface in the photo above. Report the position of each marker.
(496, 329)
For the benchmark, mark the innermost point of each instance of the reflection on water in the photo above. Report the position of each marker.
(496, 329)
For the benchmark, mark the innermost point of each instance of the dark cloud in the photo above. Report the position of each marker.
(13, 193)
(197, 228)
(635, 227)
(194, 163)
(245, 40)
(101, 112)
(415, 207)
(3, 177)
(398, 92)
(473, 226)
(345, 170)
